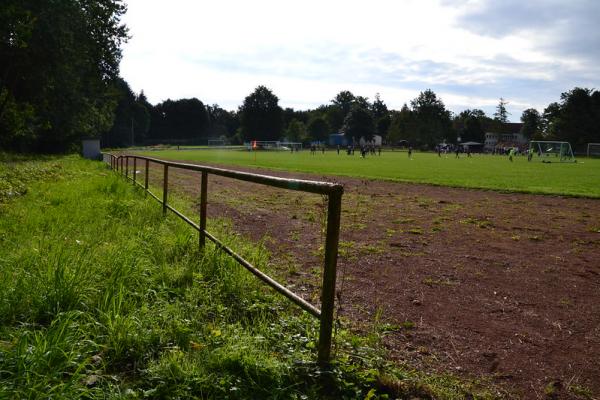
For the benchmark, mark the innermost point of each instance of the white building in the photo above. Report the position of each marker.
(499, 140)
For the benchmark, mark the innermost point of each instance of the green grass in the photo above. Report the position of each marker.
(101, 296)
(479, 171)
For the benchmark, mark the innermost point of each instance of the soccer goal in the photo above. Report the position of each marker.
(549, 151)
(291, 145)
(216, 142)
(593, 150)
(266, 145)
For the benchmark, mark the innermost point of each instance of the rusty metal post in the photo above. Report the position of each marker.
(146, 179)
(134, 168)
(329, 276)
(165, 187)
(203, 202)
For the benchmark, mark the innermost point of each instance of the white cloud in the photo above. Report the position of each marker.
(309, 51)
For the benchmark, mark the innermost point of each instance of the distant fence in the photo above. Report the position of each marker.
(334, 200)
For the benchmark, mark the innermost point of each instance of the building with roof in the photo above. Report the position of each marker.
(510, 137)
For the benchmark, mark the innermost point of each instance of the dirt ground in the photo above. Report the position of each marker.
(482, 284)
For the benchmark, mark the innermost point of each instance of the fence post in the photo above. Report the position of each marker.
(126, 167)
(329, 276)
(146, 180)
(134, 168)
(203, 201)
(165, 187)
(122, 159)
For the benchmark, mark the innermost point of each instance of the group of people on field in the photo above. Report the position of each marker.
(374, 150)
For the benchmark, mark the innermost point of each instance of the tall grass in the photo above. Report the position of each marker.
(101, 296)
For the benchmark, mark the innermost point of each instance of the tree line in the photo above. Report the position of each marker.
(59, 82)
(423, 123)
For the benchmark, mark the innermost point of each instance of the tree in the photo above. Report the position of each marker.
(532, 123)
(261, 116)
(296, 131)
(318, 129)
(549, 121)
(432, 119)
(344, 101)
(221, 122)
(578, 120)
(290, 114)
(183, 120)
(58, 61)
(470, 125)
(359, 123)
(501, 114)
(381, 116)
(402, 126)
(132, 118)
(341, 106)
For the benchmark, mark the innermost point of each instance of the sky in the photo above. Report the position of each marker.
(470, 53)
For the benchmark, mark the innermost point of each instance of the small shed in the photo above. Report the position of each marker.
(90, 148)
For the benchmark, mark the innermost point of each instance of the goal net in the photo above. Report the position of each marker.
(216, 142)
(550, 151)
(272, 145)
(593, 150)
(291, 145)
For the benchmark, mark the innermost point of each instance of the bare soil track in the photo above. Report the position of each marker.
(500, 286)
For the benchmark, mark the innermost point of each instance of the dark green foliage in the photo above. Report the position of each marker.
(501, 114)
(318, 129)
(58, 59)
(221, 122)
(402, 126)
(576, 119)
(532, 123)
(132, 118)
(432, 120)
(179, 121)
(359, 123)
(261, 116)
(550, 117)
(289, 114)
(296, 131)
(344, 100)
(470, 125)
(381, 116)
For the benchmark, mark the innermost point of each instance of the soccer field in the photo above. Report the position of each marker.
(479, 171)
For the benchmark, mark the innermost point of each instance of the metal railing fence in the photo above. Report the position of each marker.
(120, 163)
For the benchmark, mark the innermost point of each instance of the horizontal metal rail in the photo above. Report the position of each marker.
(305, 305)
(284, 183)
(332, 190)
